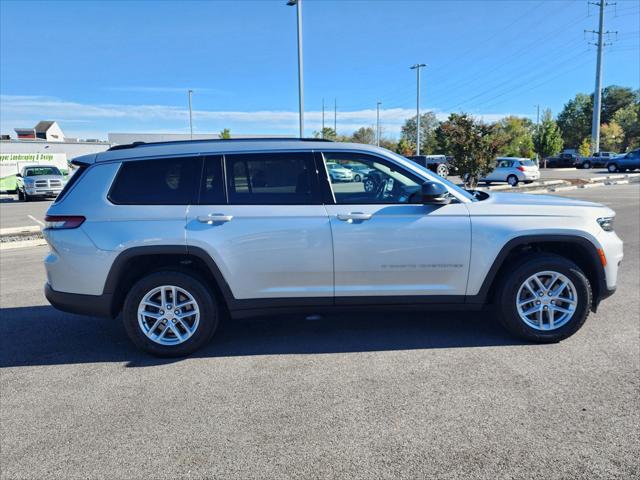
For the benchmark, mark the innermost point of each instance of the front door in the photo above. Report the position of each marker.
(388, 245)
(264, 225)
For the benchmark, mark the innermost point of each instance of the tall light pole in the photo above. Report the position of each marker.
(378, 123)
(298, 5)
(190, 115)
(335, 117)
(417, 68)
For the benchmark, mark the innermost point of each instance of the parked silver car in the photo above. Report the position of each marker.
(39, 181)
(513, 170)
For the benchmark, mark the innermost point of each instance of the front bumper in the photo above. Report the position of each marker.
(91, 305)
(43, 192)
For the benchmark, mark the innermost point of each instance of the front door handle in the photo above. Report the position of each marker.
(345, 217)
(215, 218)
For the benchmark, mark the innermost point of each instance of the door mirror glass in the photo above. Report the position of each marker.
(435, 194)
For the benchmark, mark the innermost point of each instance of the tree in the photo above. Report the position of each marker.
(474, 146)
(364, 135)
(585, 147)
(547, 139)
(611, 137)
(518, 136)
(629, 119)
(225, 134)
(428, 125)
(615, 98)
(388, 143)
(329, 133)
(575, 120)
(405, 147)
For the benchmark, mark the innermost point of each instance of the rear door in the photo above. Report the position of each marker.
(390, 247)
(261, 219)
(499, 174)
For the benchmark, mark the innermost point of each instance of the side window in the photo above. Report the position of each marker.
(166, 181)
(287, 178)
(365, 179)
(212, 185)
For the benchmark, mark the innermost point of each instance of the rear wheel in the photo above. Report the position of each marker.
(170, 314)
(612, 167)
(357, 178)
(442, 170)
(586, 164)
(512, 180)
(544, 299)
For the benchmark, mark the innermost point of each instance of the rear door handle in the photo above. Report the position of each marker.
(214, 218)
(354, 216)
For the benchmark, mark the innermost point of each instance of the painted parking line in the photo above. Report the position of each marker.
(36, 220)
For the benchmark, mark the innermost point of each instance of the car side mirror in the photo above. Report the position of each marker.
(19, 175)
(434, 193)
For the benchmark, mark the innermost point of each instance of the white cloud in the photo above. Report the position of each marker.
(23, 110)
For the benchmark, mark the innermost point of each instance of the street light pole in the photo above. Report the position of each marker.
(298, 5)
(417, 68)
(190, 115)
(378, 123)
(322, 134)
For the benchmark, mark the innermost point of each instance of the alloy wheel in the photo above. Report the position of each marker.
(168, 315)
(546, 300)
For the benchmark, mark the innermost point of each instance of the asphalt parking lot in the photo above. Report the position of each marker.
(446, 395)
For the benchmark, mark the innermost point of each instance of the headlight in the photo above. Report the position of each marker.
(606, 223)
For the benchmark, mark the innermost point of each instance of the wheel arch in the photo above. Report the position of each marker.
(578, 249)
(136, 262)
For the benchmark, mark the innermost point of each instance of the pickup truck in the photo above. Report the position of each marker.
(39, 181)
(436, 163)
(598, 159)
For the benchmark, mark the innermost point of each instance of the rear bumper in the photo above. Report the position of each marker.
(92, 305)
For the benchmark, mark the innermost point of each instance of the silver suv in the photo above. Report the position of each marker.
(175, 236)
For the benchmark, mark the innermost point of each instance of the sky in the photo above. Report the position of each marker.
(99, 67)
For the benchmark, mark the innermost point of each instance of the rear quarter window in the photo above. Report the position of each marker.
(166, 181)
(73, 179)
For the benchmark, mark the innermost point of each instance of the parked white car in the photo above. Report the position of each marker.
(513, 170)
(339, 173)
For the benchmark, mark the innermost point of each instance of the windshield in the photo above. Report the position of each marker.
(37, 171)
(425, 172)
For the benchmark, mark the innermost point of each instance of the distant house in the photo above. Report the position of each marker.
(44, 130)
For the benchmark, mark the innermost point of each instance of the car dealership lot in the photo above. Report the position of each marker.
(378, 395)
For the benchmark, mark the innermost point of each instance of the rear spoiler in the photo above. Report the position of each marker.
(84, 160)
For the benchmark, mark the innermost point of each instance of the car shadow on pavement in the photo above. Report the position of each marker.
(41, 335)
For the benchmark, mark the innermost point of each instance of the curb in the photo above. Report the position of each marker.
(38, 242)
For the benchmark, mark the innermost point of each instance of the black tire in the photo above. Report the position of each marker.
(357, 178)
(512, 180)
(26, 197)
(208, 306)
(514, 278)
(586, 165)
(20, 195)
(612, 168)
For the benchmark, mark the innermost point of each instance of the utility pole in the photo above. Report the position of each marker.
(537, 130)
(417, 68)
(322, 135)
(190, 115)
(378, 123)
(597, 94)
(298, 5)
(335, 117)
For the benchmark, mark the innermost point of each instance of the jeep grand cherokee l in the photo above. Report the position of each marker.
(174, 236)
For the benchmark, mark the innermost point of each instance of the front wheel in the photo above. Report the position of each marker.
(512, 180)
(357, 178)
(586, 165)
(170, 314)
(545, 298)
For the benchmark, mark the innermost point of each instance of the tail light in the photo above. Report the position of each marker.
(61, 222)
(521, 168)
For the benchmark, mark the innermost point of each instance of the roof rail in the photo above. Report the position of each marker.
(218, 140)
